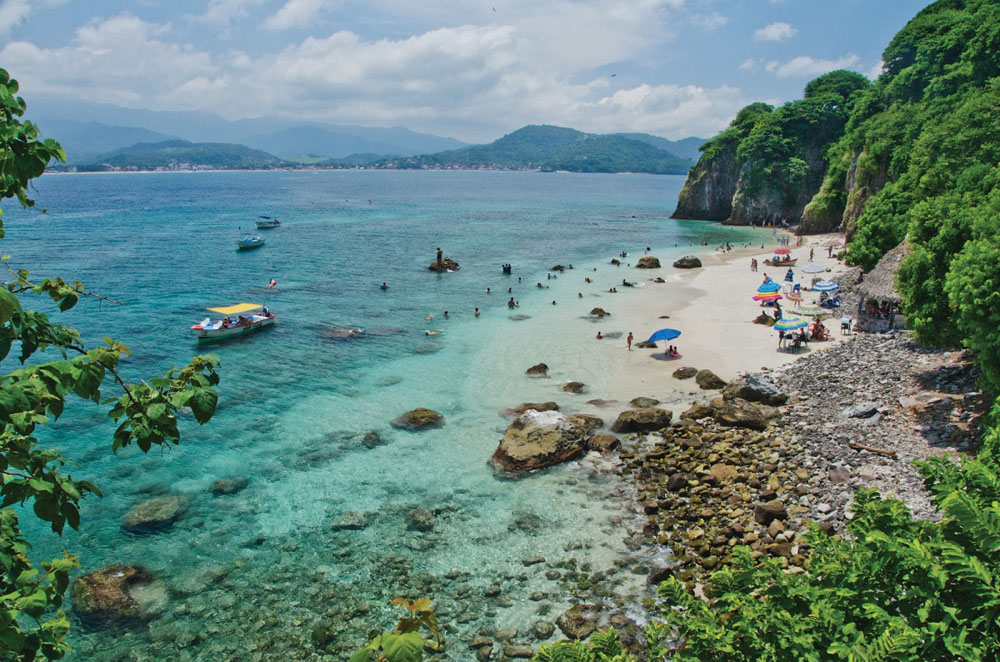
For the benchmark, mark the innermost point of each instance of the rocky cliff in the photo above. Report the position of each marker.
(708, 192)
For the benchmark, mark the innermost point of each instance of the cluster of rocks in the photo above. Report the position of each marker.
(446, 264)
(758, 464)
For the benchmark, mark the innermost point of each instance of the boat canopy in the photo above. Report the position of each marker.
(237, 309)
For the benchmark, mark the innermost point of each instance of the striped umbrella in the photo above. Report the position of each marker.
(825, 286)
(769, 286)
(814, 268)
(781, 251)
(767, 296)
(790, 323)
(793, 296)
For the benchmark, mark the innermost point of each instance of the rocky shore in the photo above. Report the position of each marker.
(857, 415)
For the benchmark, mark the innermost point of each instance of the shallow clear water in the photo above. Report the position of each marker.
(249, 575)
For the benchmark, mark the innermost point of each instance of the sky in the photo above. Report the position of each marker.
(467, 69)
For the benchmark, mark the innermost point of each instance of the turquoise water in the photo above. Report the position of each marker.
(249, 575)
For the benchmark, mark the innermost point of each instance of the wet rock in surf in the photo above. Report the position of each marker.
(419, 419)
(573, 387)
(538, 370)
(536, 440)
(525, 406)
(447, 264)
(687, 262)
(579, 621)
(350, 520)
(648, 262)
(420, 519)
(642, 402)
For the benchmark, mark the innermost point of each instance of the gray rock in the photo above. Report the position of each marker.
(860, 410)
(538, 370)
(420, 519)
(542, 629)
(687, 372)
(642, 401)
(647, 419)
(573, 387)
(579, 621)
(648, 262)
(753, 388)
(535, 440)
(687, 262)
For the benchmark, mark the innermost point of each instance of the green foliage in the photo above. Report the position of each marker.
(31, 621)
(405, 643)
(840, 84)
(601, 646)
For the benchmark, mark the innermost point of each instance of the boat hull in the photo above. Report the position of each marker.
(232, 331)
(246, 246)
(783, 263)
(268, 225)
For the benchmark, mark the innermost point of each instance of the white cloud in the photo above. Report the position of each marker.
(748, 63)
(15, 12)
(711, 21)
(810, 66)
(296, 14)
(227, 12)
(779, 31)
(876, 70)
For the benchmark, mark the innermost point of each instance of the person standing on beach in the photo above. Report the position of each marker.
(811, 253)
(628, 341)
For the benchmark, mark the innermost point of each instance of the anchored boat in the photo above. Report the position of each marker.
(267, 223)
(235, 323)
(249, 241)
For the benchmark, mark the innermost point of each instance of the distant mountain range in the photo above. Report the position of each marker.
(101, 137)
(557, 148)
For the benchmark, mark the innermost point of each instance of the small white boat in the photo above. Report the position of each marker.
(235, 323)
(249, 241)
(267, 223)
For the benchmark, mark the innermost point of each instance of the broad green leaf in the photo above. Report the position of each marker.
(406, 647)
(203, 402)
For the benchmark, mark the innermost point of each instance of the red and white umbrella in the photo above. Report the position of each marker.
(781, 251)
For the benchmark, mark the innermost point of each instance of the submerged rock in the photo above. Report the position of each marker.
(642, 402)
(419, 419)
(420, 519)
(538, 439)
(373, 439)
(230, 485)
(118, 593)
(341, 332)
(526, 406)
(646, 419)
(573, 387)
(350, 520)
(155, 514)
(599, 312)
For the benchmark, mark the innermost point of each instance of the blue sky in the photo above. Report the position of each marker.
(468, 69)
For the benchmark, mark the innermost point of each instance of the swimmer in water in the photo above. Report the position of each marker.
(477, 312)
(383, 286)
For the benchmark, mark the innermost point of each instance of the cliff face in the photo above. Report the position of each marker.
(708, 192)
(758, 200)
(861, 184)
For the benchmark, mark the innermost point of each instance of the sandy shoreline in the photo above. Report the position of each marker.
(713, 309)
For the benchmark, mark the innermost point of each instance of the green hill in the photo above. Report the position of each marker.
(554, 148)
(181, 154)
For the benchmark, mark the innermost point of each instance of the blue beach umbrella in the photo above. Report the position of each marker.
(825, 286)
(664, 334)
(790, 323)
(769, 286)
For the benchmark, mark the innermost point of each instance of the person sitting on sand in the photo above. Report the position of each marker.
(599, 336)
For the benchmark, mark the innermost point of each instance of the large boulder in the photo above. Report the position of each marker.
(599, 312)
(605, 444)
(708, 380)
(739, 413)
(573, 387)
(538, 439)
(754, 389)
(118, 593)
(648, 262)
(538, 370)
(447, 264)
(155, 514)
(419, 419)
(687, 372)
(645, 419)
(687, 262)
(579, 621)
(588, 422)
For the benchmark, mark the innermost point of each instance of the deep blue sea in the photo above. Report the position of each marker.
(249, 576)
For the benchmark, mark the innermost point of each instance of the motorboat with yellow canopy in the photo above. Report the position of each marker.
(239, 319)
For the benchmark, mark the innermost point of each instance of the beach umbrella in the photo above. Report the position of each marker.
(810, 309)
(793, 296)
(664, 334)
(790, 323)
(825, 286)
(781, 251)
(814, 268)
(766, 296)
(833, 243)
(769, 286)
